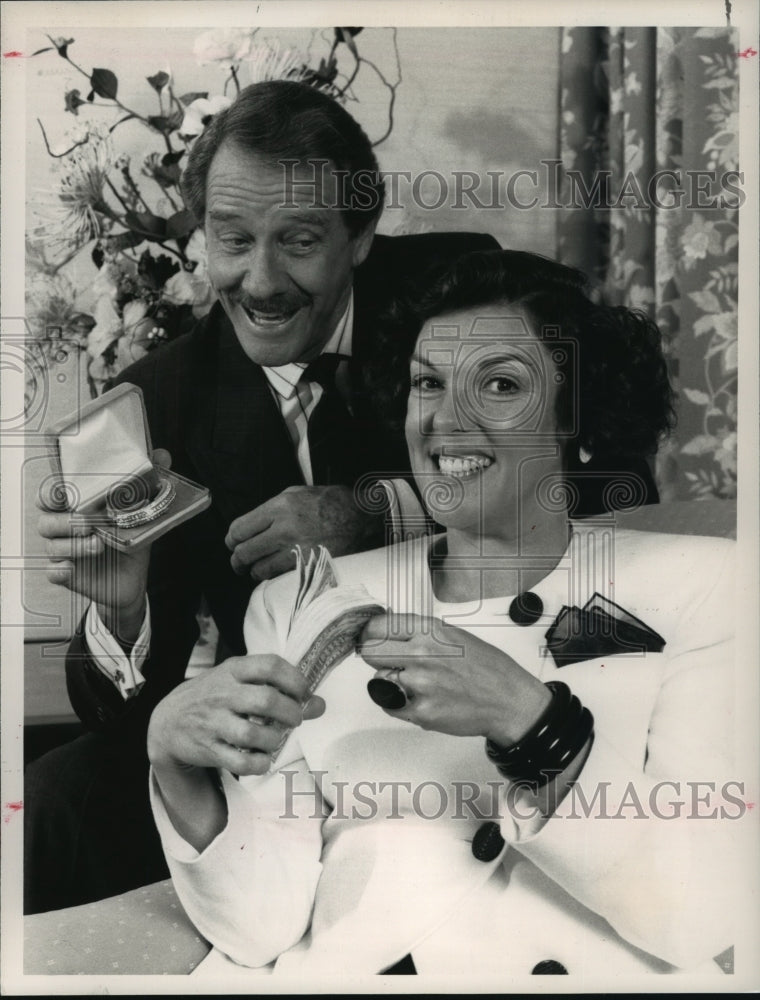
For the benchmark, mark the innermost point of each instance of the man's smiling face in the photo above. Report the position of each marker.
(282, 274)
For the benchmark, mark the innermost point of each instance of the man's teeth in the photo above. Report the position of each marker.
(462, 465)
(263, 318)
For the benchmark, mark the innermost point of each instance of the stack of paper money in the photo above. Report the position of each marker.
(326, 619)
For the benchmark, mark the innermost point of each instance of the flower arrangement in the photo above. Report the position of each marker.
(151, 282)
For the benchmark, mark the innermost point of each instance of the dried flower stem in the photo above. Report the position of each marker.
(392, 87)
(58, 156)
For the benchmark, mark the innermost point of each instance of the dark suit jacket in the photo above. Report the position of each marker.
(212, 408)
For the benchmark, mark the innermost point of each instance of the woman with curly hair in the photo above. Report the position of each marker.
(525, 767)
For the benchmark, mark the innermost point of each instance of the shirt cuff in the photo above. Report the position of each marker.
(122, 668)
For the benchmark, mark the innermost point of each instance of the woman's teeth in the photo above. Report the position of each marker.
(462, 465)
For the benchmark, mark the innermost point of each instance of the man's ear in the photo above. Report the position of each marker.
(362, 242)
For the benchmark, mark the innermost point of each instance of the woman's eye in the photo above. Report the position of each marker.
(501, 385)
(425, 383)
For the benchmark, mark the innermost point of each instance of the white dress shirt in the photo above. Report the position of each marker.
(296, 400)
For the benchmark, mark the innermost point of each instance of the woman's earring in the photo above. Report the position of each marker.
(584, 455)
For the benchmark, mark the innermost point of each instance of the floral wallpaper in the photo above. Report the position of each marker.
(649, 143)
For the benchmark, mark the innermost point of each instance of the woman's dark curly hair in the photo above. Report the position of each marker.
(616, 382)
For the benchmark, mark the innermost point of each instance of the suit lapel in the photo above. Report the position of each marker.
(237, 436)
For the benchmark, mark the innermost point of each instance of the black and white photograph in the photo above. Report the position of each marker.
(379, 477)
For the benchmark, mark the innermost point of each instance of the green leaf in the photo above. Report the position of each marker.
(722, 83)
(180, 224)
(706, 301)
(61, 45)
(122, 241)
(104, 83)
(168, 159)
(697, 397)
(166, 123)
(151, 226)
(194, 95)
(703, 325)
(702, 444)
(158, 81)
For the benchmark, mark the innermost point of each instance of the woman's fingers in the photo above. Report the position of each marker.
(389, 625)
(314, 707)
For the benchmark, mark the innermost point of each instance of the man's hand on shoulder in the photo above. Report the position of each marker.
(262, 541)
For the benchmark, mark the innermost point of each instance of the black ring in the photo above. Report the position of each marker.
(386, 694)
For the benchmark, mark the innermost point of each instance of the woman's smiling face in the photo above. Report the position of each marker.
(481, 425)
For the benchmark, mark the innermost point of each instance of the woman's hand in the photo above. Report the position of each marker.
(455, 682)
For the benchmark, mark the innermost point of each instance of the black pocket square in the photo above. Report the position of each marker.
(599, 628)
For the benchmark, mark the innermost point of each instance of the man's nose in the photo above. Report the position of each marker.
(263, 277)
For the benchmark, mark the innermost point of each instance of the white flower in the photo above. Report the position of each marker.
(200, 112)
(192, 288)
(81, 199)
(132, 313)
(107, 326)
(107, 281)
(226, 46)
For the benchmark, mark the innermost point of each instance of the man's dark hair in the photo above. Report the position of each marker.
(617, 394)
(284, 120)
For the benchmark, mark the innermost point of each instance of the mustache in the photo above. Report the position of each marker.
(274, 305)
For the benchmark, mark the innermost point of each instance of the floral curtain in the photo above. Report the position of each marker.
(649, 147)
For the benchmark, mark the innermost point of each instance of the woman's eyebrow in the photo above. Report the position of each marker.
(497, 359)
(523, 359)
(425, 362)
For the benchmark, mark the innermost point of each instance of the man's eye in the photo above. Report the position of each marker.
(232, 242)
(425, 383)
(301, 243)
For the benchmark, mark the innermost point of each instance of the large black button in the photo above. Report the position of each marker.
(488, 842)
(385, 693)
(526, 608)
(549, 967)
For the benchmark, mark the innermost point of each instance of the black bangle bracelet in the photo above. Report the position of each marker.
(561, 697)
(550, 745)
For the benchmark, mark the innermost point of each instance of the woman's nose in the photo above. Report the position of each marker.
(446, 415)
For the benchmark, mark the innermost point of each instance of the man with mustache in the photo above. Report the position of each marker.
(288, 189)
